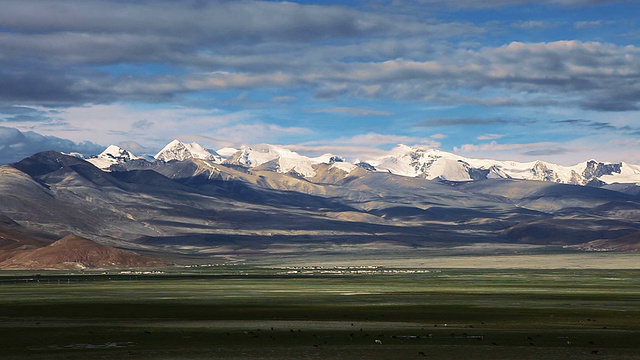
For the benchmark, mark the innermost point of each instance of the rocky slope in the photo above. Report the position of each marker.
(74, 252)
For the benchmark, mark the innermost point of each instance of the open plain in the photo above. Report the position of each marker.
(240, 311)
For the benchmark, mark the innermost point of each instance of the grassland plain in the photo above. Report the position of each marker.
(244, 312)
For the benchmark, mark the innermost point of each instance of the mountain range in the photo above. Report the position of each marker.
(403, 160)
(188, 202)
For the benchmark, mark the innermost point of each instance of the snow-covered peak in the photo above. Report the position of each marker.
(116, 152)
(177, 150)
(112, 155)
(424, 162)
(279, 159)
(284, 160)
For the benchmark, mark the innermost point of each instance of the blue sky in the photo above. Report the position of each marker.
(556, 80)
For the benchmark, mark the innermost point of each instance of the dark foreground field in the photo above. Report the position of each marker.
(358, 313)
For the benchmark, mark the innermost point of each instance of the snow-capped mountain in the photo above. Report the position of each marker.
(197, 205)
(279, 159)
(403, 160)
(112, 155)
(428, 163)
(435, 164)
(177, 150)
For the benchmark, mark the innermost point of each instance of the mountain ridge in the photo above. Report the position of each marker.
(402, 160)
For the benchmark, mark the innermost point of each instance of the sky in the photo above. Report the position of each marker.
(524, 80)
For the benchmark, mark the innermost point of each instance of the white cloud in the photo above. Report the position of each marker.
(490, 136)
(350, 152)
(227, 80)
(353, 111)
(374, 139)
(247, 134)
(495, 146)
(572, 73)
(535, 25)
(16, 145)
(208, 22)
(284, 99)
(208, 141)
(473, 4)
(329, 51)
(602, 148)
(591, 24)
(362, 146)
(115, 123)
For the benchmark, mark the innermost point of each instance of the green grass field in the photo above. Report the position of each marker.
(241, 312)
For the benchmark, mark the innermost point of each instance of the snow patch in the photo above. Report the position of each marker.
(281, 159)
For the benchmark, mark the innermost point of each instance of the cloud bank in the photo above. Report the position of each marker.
(300, 72)
(16, 145)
